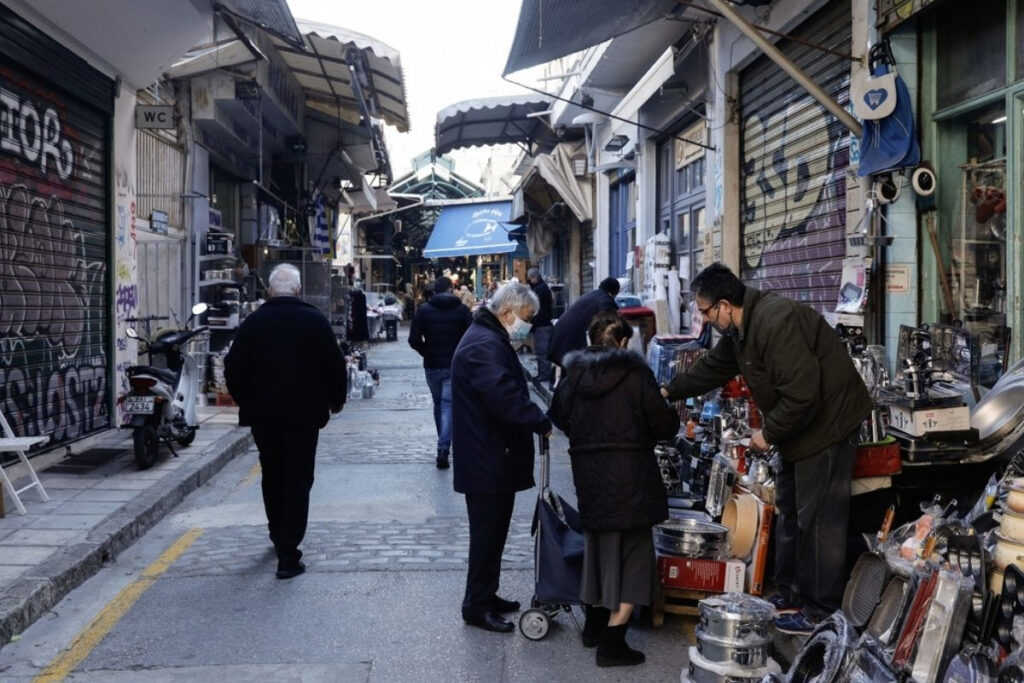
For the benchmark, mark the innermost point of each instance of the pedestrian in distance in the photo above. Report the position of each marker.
(610, 406)
(570, 333)
(287, 375)
(494, 420)
(542, 328)
(813, 403)
(435, 331)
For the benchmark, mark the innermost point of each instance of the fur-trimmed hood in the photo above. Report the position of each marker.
(598, 370)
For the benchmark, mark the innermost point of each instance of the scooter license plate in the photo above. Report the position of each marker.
(139, 405)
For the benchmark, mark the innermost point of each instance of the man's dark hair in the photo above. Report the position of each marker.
(717, 282)
(442, 284)
(610, 285)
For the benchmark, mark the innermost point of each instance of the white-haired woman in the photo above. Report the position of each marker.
(493, 421)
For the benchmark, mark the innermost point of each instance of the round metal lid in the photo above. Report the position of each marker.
(999, 411)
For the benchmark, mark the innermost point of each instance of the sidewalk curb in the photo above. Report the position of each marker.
(49, 582)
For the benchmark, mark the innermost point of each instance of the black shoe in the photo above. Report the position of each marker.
(442, 458)
(290, 571)
(502, 605)
(489, 621)
(596, 622)
(613, 650)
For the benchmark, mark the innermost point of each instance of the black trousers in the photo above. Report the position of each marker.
(812, 498)
(287, 455)
(489, 519)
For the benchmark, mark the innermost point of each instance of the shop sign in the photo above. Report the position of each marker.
(897, 278)
(686, 151)
(154, 116)
(158, 222)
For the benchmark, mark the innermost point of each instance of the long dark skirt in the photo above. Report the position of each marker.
(619, 566)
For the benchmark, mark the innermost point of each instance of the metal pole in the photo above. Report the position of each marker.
(787, 65)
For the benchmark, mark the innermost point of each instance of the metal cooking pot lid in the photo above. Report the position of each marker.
(686, 527)
(999, 411)
(740, 606)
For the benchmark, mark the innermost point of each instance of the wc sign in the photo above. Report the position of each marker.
(154, 116)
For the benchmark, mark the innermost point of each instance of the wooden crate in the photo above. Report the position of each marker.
(677, 601)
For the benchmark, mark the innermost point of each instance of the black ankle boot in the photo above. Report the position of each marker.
(593, 627)
(613, 650)
(442, 458)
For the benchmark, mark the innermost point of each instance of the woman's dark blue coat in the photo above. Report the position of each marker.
(493, 417)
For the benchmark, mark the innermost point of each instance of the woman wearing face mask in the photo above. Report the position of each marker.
(493, 423)
(610, 407)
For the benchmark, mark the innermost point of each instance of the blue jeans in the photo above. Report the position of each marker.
(440, 382)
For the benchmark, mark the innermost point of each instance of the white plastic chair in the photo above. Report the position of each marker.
(10, 443)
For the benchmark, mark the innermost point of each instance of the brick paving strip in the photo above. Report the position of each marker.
(434, 544)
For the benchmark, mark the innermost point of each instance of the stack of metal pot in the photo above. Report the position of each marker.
(734, 641)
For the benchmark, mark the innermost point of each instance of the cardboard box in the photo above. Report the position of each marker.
(922, 421)
(699, 574)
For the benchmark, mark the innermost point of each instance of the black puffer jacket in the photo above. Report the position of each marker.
(611, 408)
(437, 328)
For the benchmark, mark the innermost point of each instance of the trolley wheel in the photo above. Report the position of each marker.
(534, 624)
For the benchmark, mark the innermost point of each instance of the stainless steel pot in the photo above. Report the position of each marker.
(690, 537)
(698, 674)
(735, 621)
(752, 652)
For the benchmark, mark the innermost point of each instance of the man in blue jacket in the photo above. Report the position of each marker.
(436, 329)
(494, 420)
(286, 373)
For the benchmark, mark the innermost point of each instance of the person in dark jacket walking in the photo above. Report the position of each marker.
(493, 423)
(813, 402)
(287, 375)
(542, 328)
(435, 331)
(570, 333)
(609, 405)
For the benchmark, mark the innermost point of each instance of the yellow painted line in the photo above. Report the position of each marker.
(91, 636)
(253, 473)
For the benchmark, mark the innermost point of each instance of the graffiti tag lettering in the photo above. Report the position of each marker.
(35, 137)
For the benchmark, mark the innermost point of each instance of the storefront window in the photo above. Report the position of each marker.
(1019, 43)
(970, 67)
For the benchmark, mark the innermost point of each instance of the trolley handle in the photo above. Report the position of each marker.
(545, 461)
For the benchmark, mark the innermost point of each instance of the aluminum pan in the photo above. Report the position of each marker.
(999, 411)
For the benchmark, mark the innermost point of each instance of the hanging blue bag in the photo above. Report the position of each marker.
(887, 143)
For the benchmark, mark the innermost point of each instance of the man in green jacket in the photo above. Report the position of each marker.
(813, 401)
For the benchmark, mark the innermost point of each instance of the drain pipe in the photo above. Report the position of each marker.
(787, 65)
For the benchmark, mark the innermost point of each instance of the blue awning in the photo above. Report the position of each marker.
(472, 229)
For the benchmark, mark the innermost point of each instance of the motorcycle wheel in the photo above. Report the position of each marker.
(146, 445)
(187, 437)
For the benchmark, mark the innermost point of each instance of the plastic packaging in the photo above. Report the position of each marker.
(701, 670)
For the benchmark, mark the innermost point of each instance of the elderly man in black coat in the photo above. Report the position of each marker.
(570, 332)
(494, 420)
(287, 375)
(434, 333)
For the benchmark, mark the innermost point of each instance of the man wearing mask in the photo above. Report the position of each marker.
(434, 333)
(494, 420)
(542, 328)
(813, 402)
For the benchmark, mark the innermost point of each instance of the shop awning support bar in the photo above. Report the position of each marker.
(787, 65)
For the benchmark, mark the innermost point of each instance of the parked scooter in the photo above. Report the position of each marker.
(162, 399)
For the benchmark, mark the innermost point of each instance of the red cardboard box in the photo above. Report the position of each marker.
(760, 552)
(699, 574)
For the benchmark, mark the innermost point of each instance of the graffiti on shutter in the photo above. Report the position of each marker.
(53, 261)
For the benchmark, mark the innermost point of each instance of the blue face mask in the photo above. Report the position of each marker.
(519, 330)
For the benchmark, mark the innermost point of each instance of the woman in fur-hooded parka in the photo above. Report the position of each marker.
(610, 407)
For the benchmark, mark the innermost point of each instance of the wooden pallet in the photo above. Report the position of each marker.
(677, 601)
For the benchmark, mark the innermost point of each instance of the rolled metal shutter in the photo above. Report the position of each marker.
(54, 252)
(795, 154)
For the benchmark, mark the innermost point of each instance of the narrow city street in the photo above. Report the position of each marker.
(196, 598)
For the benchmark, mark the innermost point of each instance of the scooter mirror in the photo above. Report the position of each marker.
(200, 308)
(132, 333)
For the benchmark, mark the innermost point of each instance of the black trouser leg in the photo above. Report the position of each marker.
(287, 457)
(489, 519)
(813, 496)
